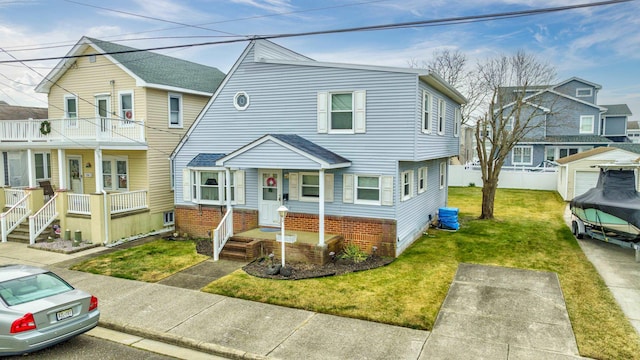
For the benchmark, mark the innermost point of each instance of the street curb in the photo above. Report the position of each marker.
(181, 341)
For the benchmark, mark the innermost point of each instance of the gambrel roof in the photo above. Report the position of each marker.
(148, 68)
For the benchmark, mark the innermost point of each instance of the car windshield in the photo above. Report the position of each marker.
(33, 287)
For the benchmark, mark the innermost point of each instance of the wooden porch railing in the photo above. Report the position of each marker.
(78, 204)
(128, 201)
(13, 217)
(39, 221)
(222, 233)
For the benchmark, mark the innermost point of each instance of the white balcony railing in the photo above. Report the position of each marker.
(70, 130)
(78, 204)
(128, 201)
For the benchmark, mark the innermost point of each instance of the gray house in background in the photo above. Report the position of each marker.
(354, 150)
(570, 121)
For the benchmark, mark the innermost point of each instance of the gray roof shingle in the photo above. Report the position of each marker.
(163, 70)
(11, 112)
(204, 160)
(617, 110)
(311, 148)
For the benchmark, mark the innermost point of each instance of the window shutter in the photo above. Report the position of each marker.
(293, 186)
(186, 184)
(238, 182)
(360, 111)
(387, 190)
(347, 188)
(323, 103)
(328, 187)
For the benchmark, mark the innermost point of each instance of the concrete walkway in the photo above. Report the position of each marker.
(489, 312)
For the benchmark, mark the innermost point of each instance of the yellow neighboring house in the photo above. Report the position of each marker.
(115, 115)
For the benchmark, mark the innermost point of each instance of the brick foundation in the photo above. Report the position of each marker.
(199, 222)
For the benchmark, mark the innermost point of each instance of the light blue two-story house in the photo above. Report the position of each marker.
(568, 121)
(353, 150)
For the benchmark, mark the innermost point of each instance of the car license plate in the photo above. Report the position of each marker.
(60, 315)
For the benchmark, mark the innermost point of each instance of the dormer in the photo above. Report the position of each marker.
(580, 89)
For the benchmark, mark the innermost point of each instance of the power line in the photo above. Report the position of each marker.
(411, 24)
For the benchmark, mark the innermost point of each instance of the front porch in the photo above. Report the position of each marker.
(260, 242)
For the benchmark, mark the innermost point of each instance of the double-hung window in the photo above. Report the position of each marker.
(586, 124)
(522, 155)
(71, 110)
(341, 112)
(508, 126)
(115, 173)
(43, 165)
(426, 112)
(309, 186)
(407, 184)
(443, 174)
(442, 115)
(126, 109)
(175, 110)
(422, 180)
(456, 122)
(367, 189)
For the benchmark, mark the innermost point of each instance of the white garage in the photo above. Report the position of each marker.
(576, 174)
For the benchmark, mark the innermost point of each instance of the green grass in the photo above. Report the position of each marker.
(150, 262)
(528, 233)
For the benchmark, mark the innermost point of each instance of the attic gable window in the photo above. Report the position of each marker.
(584, 92)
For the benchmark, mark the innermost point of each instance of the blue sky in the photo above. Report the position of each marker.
(600, 44)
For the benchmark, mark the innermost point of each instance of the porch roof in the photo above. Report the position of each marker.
(281, 151)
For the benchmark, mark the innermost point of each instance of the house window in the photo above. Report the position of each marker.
(71, 110)
(126, 109)
(341, 112)
(586, 124)
(426, 112)
(508, 126)
(367, 190)
(310, 187)
(407, 184)
(422, 180)
(208, 187)
(241, 101)
(443, 174)
(442, 109)
(550, 153)
(115, 173)
(175, 110)
(522, 155)
(584, 92)
(456, 122)
(169, 218)
(43, 165)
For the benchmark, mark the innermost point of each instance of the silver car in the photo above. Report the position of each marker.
(39, 309)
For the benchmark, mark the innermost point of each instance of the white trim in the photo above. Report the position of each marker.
(300, 184)
(235, 100)
(582, 89)
(423, 173)
(457, 115)
(597, 86)
(115, 181)
(442, 116)
(330, 112)
(365, 201)
(590, 118)
(180, 123)
(408, 175)
(122, 119)
(69, 122)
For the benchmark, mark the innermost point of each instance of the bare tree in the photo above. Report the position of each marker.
(517, 107)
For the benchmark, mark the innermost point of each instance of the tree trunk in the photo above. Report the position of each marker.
(488, 198)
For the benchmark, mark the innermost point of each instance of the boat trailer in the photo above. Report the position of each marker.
(579, 229)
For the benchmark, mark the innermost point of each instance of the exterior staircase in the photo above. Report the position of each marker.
(239, 248)
(21, 233)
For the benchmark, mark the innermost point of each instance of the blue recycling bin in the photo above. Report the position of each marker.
(448, 218)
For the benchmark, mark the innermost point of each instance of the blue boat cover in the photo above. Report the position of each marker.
(448, 218)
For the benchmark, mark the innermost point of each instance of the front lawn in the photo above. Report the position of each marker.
(528, 233)
(150, 262)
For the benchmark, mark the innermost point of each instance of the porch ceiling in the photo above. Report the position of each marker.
(283, 151)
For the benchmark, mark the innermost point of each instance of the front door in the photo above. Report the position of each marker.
(270, 188)
(102, 113)
(75, 174)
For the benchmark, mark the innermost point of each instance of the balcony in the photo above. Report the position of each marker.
(82, 131)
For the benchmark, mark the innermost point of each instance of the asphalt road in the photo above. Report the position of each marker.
(89, 347)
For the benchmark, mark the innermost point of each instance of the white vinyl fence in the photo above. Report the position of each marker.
(517, 178)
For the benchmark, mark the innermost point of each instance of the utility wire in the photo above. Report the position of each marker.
(410, 24)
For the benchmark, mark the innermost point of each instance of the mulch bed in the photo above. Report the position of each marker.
(260, 268)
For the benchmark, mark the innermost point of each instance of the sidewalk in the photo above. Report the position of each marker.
(489, 312)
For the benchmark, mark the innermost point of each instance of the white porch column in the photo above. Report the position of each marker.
(227, 181)
(62, 169)
(97, 158)
(31, 169)
(321, 208)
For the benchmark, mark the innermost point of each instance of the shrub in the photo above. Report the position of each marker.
(354, 253)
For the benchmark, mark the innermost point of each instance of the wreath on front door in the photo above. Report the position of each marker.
(45, 127)
(271, 182)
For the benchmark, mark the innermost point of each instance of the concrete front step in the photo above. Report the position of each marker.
(21, 233)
